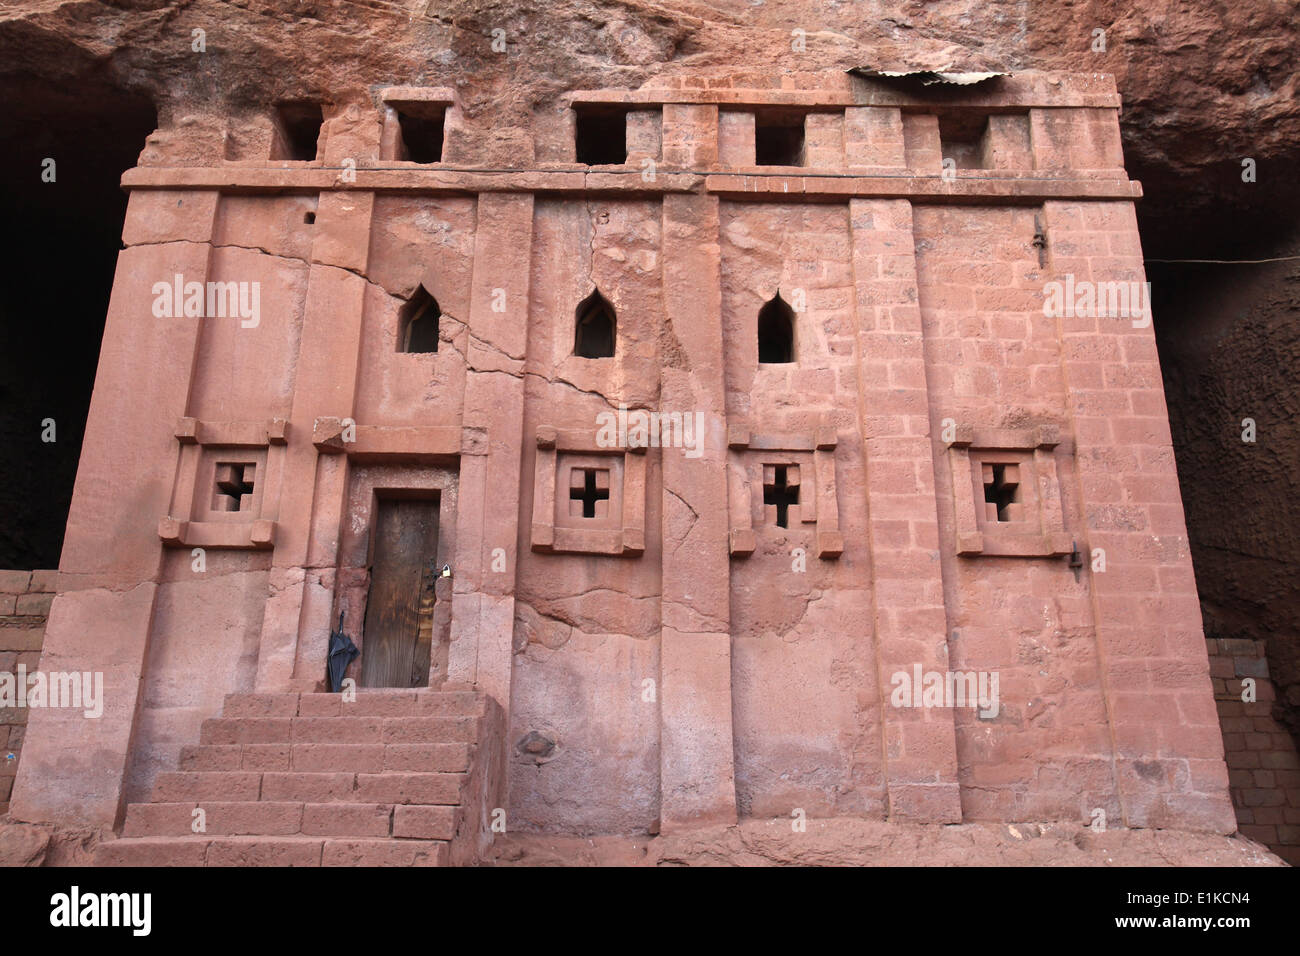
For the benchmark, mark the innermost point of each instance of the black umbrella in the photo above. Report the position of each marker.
(342, 653)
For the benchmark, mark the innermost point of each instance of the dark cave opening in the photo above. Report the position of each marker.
(69, 215)
(1228, 336)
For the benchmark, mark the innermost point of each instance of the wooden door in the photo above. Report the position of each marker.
(399, 611)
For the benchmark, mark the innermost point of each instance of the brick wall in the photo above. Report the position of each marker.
(1263, 768)
(25, 598)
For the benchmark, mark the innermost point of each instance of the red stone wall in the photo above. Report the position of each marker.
(203, 646)
(993, 360)
(804, 686)
(1263, 768)
(417, 240)
(707, 669)
(25, 598)
(586, 629)
(1169, 752)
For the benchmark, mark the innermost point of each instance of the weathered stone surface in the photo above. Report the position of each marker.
(1201, 83)
(230, 817)
(686, 635)
(849, 842)
(22, 845)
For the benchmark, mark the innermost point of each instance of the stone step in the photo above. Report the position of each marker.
(185, 786)
(441, 789)
(251, 757)
(225, 731)
(368, 703)
(282, 818)
(219, 818)
(326, 758)
(327, 787)
(211, 757)
(297, 780)
(270, 851)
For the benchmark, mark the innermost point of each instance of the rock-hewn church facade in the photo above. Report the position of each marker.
(748, 449)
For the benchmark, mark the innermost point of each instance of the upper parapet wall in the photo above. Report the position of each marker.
(823, 136)
(1024, 90)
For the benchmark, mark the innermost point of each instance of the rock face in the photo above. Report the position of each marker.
(769, 681)
(1235, 329)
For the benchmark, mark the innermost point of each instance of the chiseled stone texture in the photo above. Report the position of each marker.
(690, 654)
(25, 598)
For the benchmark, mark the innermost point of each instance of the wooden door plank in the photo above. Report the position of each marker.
(406, 537)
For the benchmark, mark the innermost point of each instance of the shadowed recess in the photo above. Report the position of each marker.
(82, 136)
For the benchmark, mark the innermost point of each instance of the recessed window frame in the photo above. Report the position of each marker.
(595, 308)
(299, 126)
(780, 138)
(600, 135)
(412, 319)
(418, 104)
(775, 310)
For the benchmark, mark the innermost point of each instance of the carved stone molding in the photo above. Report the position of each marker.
(1006, 492)
(807, 463)
(227, 488)
(587, 499)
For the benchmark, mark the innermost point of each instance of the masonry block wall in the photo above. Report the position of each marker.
(897, 460)
(25, 598)
(1263, 768)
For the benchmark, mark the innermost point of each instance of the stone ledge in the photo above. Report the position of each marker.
(830, 842)
(791, 184)
(850, 841)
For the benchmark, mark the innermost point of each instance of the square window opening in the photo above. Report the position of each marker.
(1004, 498)
(600, 138)
(781, 491)
(962, 137)
(778, 139)
(297, 131)
(421, 127)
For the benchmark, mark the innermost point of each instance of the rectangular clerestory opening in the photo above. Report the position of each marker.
(778, 138)
(961, 139)
(600, 136)
(420, 132)
(978, 139)
(297, 131)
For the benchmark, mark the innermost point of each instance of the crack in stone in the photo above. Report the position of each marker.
(695, 517)
(557, 380)
(492, 347)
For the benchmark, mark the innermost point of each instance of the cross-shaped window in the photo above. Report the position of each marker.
(782, 493)
(589, 492)
(234, 486)
(1002, 492)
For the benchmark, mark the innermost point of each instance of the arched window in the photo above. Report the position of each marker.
(594, 327)
(775, 332)
(418, 323)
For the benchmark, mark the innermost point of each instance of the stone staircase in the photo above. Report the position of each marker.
(395, 778)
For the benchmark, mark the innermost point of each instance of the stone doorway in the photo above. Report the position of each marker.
(398, 635)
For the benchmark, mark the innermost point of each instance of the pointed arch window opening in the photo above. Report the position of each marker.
(595, 330)
(419, 323)
(775, 332)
